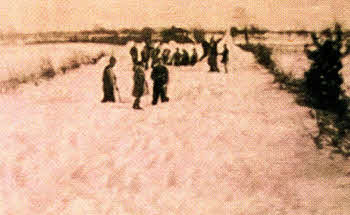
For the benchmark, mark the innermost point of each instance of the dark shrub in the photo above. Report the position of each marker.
(46, 68)
(323, 80)
(178, 35)
(146, 33)
(199, 35)
(234, 32)
(263, 56)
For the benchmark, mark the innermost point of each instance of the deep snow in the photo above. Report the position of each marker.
(224, 144)
(17, 61)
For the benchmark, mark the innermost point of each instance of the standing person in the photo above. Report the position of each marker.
(155, 55)
(139, 84)
(213, 54)
(145, 55)
(185, 60)
(194, 57)
(225, 57)
(160, 77)
(165, 56)
(206, 47)
(176, 59)
(134, 54)
(109, 81)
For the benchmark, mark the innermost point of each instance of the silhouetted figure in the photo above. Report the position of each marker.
(146, 54)
(165, 56)
(206, 47)
(213, 54)
(185, 59)
(139, 84)
(160, 76)
(176, 59)
(109, 81)
(194, 57)
(134, 54)
(155, 55)
(246, 36)
(225, 59)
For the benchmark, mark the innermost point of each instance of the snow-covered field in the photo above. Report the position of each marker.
(292, 62)
(17, 60)
(273, 39)
(224, 144)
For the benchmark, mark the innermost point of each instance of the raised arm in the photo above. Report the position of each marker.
(219, 40)
(315, 39)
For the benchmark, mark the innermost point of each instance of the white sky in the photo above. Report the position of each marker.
(43, 15)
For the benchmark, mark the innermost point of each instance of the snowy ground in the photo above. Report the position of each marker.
(224, 144)
(17, 61)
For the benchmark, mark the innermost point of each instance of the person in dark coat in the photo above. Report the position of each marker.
(140, 84)
(206, 47)
(176, 59)
(134, 54)
(160, 77)
(213, 54)
(165, 56)
(155, 55)
(225, 59)
(109, 81)
(146, 54)
(194, 57)
(185, 60)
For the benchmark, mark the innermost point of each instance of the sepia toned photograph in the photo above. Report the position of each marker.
(174, 107)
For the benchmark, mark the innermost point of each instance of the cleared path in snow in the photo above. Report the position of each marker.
(224, 144)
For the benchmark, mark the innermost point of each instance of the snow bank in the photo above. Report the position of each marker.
(296, 63)
(18, 61)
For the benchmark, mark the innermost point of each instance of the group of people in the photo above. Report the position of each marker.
(184, 58)
(160, 73)
(153, 54)
(210, 50)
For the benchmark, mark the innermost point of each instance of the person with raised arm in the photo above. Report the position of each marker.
(213, 54)
(206, 48)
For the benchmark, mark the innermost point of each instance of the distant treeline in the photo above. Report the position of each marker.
(256, 31)
(120, 37)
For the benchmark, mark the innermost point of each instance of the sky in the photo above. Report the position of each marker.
(47, 15)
